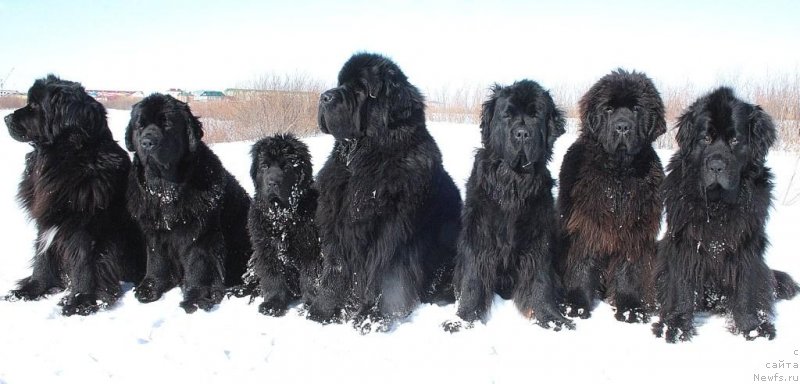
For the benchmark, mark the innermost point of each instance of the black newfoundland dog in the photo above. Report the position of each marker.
(717, 198)
(388, 213)
(74, 189)
(193, 213)
(608, 198)
(286, 260)
(509, 223)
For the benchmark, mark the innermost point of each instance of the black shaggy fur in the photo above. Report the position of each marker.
(388, 212)
(286, 260)
(193, 213)
(74, 189)
(608, 198)
(509, 223)
(717, 198)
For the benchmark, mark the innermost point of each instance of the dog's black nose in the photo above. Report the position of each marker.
(147, 143)
(716, 165)
(7, 119)
(521, 134)
(326, 97)
(622, 127)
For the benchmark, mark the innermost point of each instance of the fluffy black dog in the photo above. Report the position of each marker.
(193, 213)
(608, 198)
(717, 197)
(509, 223)
(74, 189)
(388, 213)
(286, 260)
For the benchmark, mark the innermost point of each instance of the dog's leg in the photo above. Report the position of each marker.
(675, 294)
(753, 297)
(537, 294)
(581, 281)
(204, 272)
(159, 276)
(46, 276)
(275, 280)
(94, 276)
(334, 287)
(629, 286)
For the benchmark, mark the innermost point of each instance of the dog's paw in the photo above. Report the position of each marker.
(456, 325)
(30, 290)
(632, 315)
(204, 298)
(574, 310)
(273, 307)
(82, 304)
(765, 330)
(372, 322)
(674, 330)
(147, 291)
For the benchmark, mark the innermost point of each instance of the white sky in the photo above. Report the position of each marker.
(152, 46)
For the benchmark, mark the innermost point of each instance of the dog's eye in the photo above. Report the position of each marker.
(33, 105)
(707, 139)
(637, 108)
(609, 109)
(734, 141)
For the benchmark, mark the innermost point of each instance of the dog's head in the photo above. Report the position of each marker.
(623, 112)
(373, 96)
(58, 110)
(723, 137)
(162, 131)
(281, 169)
(520, 123)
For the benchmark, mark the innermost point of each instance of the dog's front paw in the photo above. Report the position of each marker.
(204, 298)
(675, 328)
(148, 291)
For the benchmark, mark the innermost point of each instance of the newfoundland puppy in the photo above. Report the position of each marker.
(509, 223)
(608, 198)
(73, 188)
(286, 260)
(193, 213)
(388, 213)
(717, 197)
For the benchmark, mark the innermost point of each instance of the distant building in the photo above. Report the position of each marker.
(179, 94)
(249, 94)
(106, 95)
(207, 95)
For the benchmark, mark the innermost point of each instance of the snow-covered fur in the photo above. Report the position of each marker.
(193, 213)
(286, 258)
(717, 198)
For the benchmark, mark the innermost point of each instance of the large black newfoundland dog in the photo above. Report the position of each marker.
(717, 198)
(388, 212)
(193, 213)
(74, 189)
(286, 259)
(608, 198)
(509, 223)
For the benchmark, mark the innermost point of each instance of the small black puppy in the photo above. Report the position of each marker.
(193, 213)
(507, 240)
(73, 188)
(286, 257)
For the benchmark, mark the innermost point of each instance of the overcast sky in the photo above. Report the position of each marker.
(155, 45)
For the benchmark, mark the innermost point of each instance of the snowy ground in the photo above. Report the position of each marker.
(158, 342)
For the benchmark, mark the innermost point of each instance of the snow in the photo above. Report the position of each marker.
(159, 342)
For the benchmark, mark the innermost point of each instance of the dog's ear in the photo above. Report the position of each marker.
(658, 126)
(487, 113)
(255, 154)
(686, 129)
(762, 133)
(556, 125)
(194, 129)
(131, 126)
